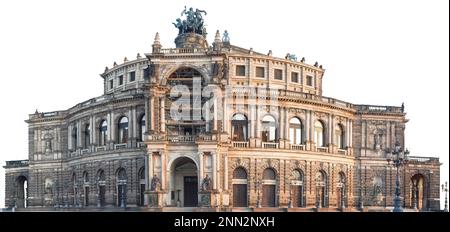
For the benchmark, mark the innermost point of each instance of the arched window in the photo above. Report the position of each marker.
(239, 126)
(240, 187)
(86, 188)
(339, 135)
(121, 187)
(269, 188)
(123, 130)
(142, 128)
(103, 132)
(321, 189)
(295, 131)
(141, 186)
(87, 135)
(269, 129)
(74, 137)
(101, 188)
(297, 188)
(342, 190)
(319, 134)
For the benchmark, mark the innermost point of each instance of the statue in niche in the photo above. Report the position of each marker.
(206, 184)
(155, 184)
(216, 69)
(377, 141)
(48, 142)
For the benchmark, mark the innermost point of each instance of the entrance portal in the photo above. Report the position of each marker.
(184, 183)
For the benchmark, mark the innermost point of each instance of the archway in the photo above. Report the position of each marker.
(240, 187)
(22, 192)
(184, 183)
(418, 196)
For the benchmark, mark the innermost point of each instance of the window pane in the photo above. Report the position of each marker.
(298, 136)
(259, 71)
(132, 76)
(240, 70)
(291, 135)
(278, 74)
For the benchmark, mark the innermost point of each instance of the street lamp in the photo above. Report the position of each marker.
(445, 189)
(399, 159)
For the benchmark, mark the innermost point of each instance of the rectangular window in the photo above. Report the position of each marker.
(260, 72)
(121, 80)
(132, 76)
(309, 80)
(111, 84)
(278, 74)
(240, 70)
(294, 77)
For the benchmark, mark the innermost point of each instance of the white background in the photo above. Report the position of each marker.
(374, 52)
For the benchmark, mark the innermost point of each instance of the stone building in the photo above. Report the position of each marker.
(217, 127)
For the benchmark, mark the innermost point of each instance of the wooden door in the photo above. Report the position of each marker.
(240, 195)
(268, 196)
(190, 191)
(297, 196)
(102, 192)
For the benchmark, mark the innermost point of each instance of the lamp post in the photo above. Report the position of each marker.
(399, 159)
(445, 189)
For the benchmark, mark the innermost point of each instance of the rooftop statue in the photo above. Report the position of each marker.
(193, 23)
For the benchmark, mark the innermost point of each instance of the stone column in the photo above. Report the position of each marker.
(281, 123)
(306, 130)
(214, 167)
(225, 170)
(200, 171)
(69, 138)
(311, 131)
(151, 114)
(330, 134)
(215, 114)
(163, 170)
(79, 133)
(112, 128)
(163, 114)
(94, 131)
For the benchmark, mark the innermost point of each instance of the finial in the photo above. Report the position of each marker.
(303, 60)
(403, 107)
(138, 56)
(316, 64)
(217, 37)
(125, 59)
(115, 64)
(157, 40)
(106, 68)
(321, 67)
(250, 51)
(270, 53)
(36, 112)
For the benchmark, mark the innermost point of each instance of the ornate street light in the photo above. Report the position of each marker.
(445, 189)
(398, 159)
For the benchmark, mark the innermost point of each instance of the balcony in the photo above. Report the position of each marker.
(268, 145)
(298, 147)
(16, 163)
(240, 144)
(120, 146)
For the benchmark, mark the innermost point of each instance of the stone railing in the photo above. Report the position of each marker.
(182, 50)
(240, 144)
(268, 145)
(322, 149)
(342, 151)
(378, 109)
(101, 148)
(120, 146)
(181, 138)
(422, 159)
(16, 163)
(299, 147)
(264, 92)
